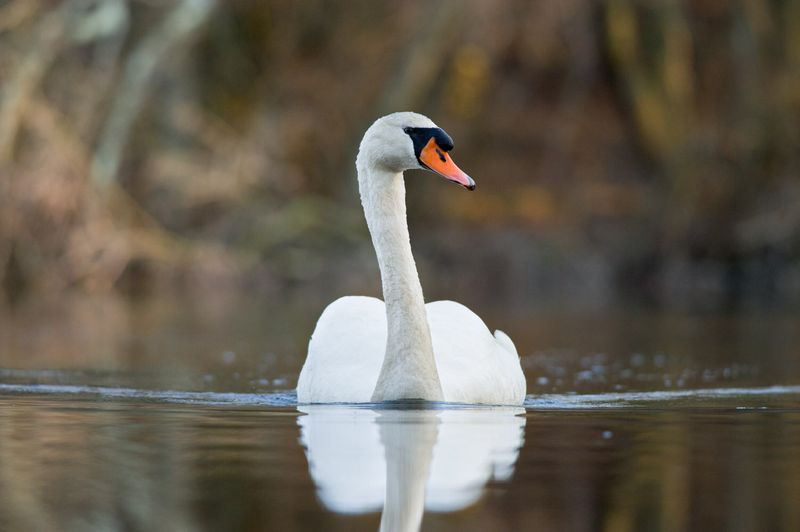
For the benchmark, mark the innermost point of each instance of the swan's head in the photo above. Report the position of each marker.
(407, 141)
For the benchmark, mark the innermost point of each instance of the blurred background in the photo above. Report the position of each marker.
(178, 203)
(168, 164)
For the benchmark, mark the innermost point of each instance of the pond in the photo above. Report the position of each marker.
(181, 415)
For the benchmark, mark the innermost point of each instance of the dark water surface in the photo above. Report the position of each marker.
(168, 416)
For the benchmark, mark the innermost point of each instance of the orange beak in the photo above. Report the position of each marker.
(436, 159)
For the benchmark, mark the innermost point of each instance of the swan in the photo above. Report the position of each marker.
(363, 350)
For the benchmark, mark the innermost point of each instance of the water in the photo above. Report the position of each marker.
(166, 418)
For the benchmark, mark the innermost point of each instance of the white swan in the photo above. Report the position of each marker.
(362, 350)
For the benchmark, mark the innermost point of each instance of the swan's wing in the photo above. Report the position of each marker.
(503, 339)
(474, 366)
(345, 352)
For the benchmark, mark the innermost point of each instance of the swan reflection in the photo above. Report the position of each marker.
(406, 460)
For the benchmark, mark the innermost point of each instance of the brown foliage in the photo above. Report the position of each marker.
(213, 141)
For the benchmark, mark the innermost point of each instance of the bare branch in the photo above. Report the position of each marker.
(27, 77)
(15, 14)
(139, 69)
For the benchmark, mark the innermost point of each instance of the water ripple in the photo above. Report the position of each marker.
(288, 398)
(749, 397)
(698, 397)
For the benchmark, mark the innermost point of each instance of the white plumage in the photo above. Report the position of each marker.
(364, 350)
(347, 349)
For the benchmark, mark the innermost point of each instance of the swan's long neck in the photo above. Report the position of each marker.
(409, 368)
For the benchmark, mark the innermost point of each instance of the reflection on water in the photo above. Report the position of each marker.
(404, 460)
(93, 459)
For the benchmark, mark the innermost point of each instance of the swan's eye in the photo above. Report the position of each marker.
(406, 130)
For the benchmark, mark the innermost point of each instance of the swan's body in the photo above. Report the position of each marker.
(364, 350)
(348, 345)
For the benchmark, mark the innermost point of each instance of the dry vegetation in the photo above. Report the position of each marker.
(646, 148)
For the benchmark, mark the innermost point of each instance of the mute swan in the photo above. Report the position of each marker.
(363, 350)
